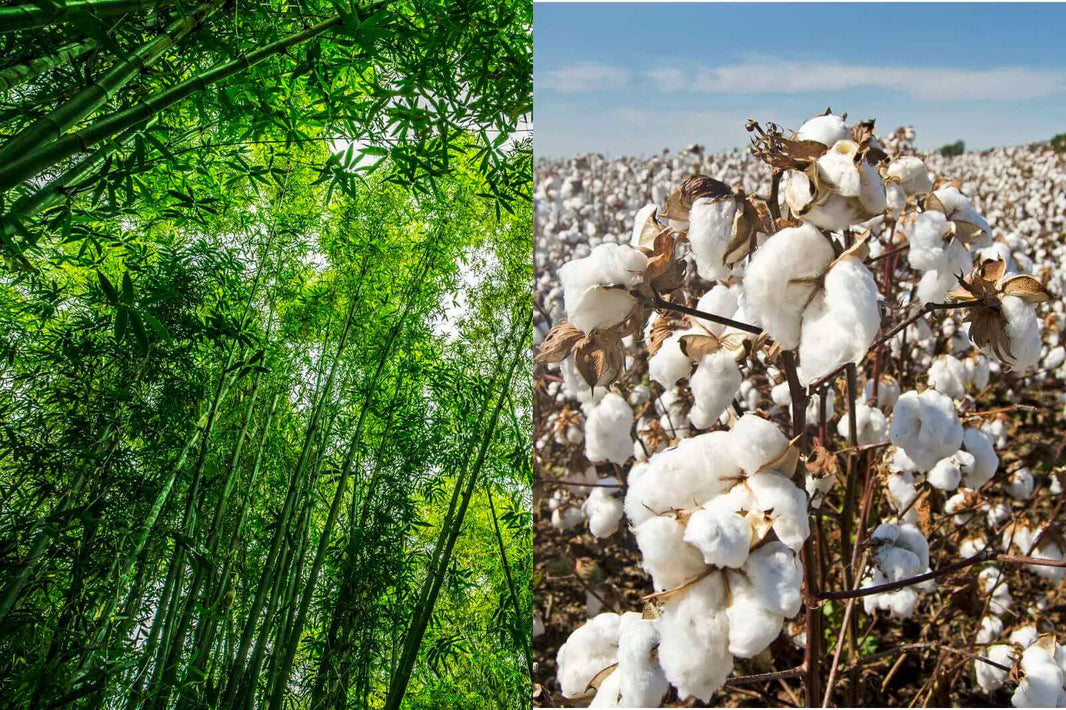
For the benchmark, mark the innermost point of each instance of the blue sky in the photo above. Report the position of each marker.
(631, 79)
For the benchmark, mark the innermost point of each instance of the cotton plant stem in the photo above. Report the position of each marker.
(662, 304)
(796, 672)
(845, 631)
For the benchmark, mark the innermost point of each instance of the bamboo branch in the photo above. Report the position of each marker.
(25, 16)
(21, 73)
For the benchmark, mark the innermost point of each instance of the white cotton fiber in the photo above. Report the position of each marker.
(1023, 330)
(603, 508)
(912, 174)
(721, 301)
(870, 424)
(986, 461)
(888, 391)
(752, 627)
(959, 208)
(989, 677)
(826, 130)
(709, 232)
(669, 560)
(589, 303)
(786, 504)
(567, 518)
(1020, 484)
(841, 322)
(694, 650)
(926, 426)
(928, 250)
(714, 384)
(669, 364)
(947, 374)
(776, 576)
(643, 214)
(607, 429)
(592, 647)
(782, 278)
(720, 533)
(755, 442)
(641, 682)
(947, 473)
(901, 489)
(683, 477)
(1042, 681)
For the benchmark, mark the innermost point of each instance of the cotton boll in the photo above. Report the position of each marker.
(785, 503)
(1048, 550)
(926, 239)
(567, 518)
(871, 425)
(947, 473)
(1020, 484)
(818, 488)
(959, 208)
(900, 603)
(813, 405)
(1024, 636)
(638, 679)
(781, 394)
(895, 199)
(688, 475)
(592, 647)
(643, 214)
(888, 391)
(721, 301)
(1055, 358)
(989, 677)
(776, 576)
(609, 693)
(841, 322)
(992, 583)
(901, 489)
(715, 383)
(986, 461)
(948, 375)
(781, 280)
(589, 302)
(1042, 681)
(709, 232)
(720, 533)
(977, 371)
(1023, 330)
(667, 558)
(912, 174)
(607, 427)
(752, 627)
(669, 364)
(755, 442)
(826, 130)
(604, 509)
(991, 628)
(971, 546)
(694, 650)
(926, 426)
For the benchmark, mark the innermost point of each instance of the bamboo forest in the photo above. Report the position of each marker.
(264, 354)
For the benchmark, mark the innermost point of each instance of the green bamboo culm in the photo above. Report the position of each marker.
(52, 153)
(22, 73)
(27, 15)
(53, 125)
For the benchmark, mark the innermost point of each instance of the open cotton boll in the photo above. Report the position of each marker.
(710, 230)
(782, 278)
(813, 405)
(888, 391)
(901, 489)
(989, 677)
(945, 475)
(714, 383)
(1023, 330)
(1042, 681)
(1024, 636)
(927, 250)
(567, 518)
(841, 322)
(795, 191)
(1020, 484)
(989, 629)
(992, 583)
(977, 371)
(827, 130)
(592, 647)
(721, 301)
(871, 425)
(926, 426)
(817, 487)
(666, 556)
(720, 533)
(899, 603)
(781, 394)
(669, 364)
(947, 374)
(755, 442)
(641, 681)
(895, 200)
(752, 627)
(776, 576)
(912, 174)
(607, 427)
(986, 461)
(1048, 550)
(643, 214)
(609, 693)
(694, 646)
(603, 508)
(685, 476)
(785, 503)
(959, 208)
(589, 303)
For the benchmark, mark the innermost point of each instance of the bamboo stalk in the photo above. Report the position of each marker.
(28, 71)
(25, 16)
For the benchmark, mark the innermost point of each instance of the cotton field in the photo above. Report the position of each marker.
(799, 424)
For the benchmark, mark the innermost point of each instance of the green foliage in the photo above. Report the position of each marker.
(236, 389)
(950, 150)
(1058, 143)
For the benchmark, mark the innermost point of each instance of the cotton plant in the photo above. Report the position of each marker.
(818, 252)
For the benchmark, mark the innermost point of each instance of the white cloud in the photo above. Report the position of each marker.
(582, 77)
(775, 76)
(670, 80)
